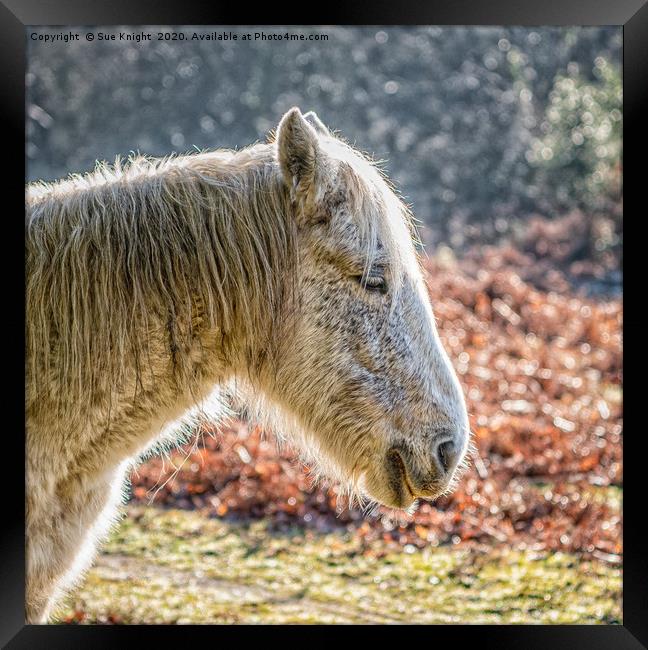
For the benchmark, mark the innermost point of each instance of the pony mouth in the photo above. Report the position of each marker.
(400, 486)
(403, 488)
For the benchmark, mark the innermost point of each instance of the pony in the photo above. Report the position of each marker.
(286, 272)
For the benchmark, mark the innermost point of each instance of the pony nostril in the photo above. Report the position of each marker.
(446, 453)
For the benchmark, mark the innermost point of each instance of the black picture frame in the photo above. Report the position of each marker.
(16, 15)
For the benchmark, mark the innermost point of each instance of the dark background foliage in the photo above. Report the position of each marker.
(478, 126)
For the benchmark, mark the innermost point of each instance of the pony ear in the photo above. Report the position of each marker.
(298, 150)
(316, 123)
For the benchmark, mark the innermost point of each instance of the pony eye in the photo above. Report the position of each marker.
(375, 283)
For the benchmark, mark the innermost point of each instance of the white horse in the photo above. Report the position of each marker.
(288, 267)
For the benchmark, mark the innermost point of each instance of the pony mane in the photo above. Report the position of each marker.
(128, 250)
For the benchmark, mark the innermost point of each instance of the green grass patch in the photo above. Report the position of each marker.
(173, 566)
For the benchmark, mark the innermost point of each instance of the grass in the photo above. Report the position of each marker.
(173, 566)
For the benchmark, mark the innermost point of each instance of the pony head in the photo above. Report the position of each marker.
(359, 369)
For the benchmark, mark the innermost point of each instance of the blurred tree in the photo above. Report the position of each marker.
(578, 152)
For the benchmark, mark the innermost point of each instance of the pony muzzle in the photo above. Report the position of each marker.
(408, 480)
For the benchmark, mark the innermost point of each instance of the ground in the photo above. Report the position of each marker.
(175, 566)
